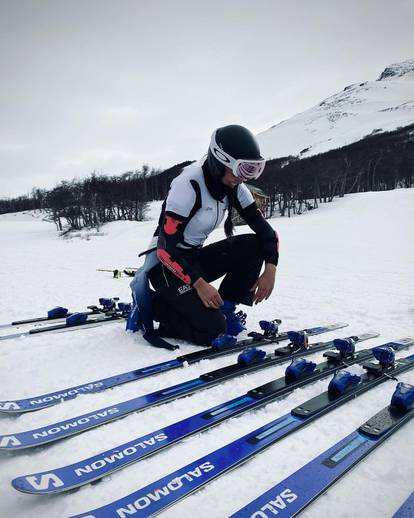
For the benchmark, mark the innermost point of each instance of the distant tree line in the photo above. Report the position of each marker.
(98, 198)
(381, 161)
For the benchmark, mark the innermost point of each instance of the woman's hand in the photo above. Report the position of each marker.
(208, 294)
(264, 285)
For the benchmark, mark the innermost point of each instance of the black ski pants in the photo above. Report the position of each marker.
(177, 306)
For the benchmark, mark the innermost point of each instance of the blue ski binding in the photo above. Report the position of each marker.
(125, 308)
(298, 339)
(385, 355)
(107, 304)
(299, 368)
(270, 327)
(403, 397)
(76, 319)
(57, 312)
(251, 355)
(223, 342)
(341, 381)
(345, 346)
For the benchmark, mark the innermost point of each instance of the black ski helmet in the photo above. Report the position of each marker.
(237, 141)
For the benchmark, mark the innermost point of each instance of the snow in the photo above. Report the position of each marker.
(350, 260)
(346, 117)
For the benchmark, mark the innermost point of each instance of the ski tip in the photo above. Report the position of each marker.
(9, 442)
(37, 484)
(16, 484)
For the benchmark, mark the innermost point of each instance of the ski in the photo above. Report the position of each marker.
(41, 321)
(407, 508)
(267, 337)
(58, 316)
(75, 425)
(76, 321)
(60, 313)
(168, 490)
(343, 388)
(296, 492)
(65, 327)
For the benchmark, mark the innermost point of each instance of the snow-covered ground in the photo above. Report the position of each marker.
(351, 260)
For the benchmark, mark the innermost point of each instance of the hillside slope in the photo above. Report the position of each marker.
(346, 117)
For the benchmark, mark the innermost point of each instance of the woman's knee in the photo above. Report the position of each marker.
(248, 247)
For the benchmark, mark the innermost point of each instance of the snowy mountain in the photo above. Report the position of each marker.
(359, 110)
(361, 274)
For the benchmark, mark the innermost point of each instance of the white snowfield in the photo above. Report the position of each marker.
(346, 117)
(351, 260)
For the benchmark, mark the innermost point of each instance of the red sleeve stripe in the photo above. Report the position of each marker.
(165, 258)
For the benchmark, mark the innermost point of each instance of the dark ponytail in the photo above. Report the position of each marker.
(228, 224)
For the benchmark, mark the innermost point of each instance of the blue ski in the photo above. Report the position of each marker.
(407, 508)
(342, 388)
(53, 398)
(296, 492)
(75, 321)
(60, 313)
(168, 490)
(84, 422)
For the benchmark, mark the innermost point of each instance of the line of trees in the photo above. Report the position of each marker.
(381, 161)
(98, 198)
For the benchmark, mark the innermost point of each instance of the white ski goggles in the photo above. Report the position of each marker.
(242, 168)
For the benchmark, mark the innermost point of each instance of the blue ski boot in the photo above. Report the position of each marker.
(235, 321)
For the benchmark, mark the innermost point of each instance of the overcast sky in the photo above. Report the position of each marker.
(106, 86)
